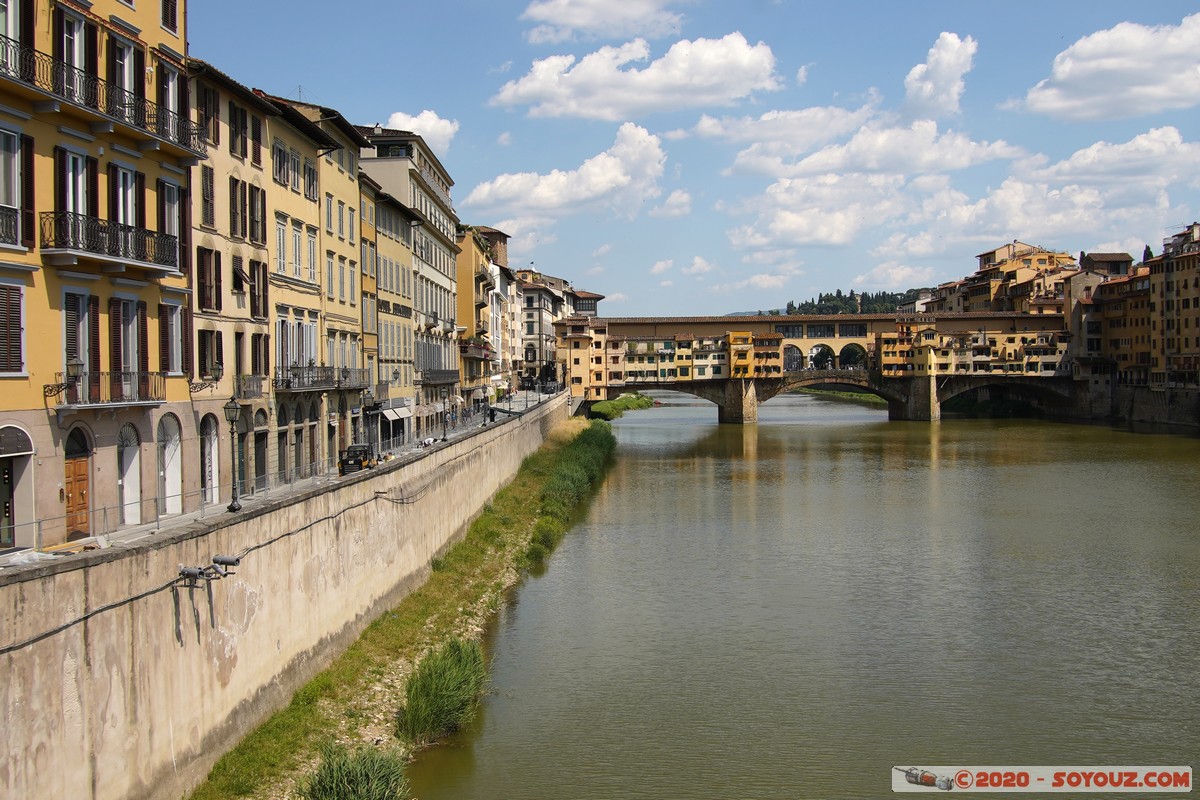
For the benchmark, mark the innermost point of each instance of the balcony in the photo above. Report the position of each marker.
(67, 237)
(475, 350)
(9, 229)
(113, 388)
(358, 379)
(304, 379)
(249, 387)
(105, 102)
(429, 377)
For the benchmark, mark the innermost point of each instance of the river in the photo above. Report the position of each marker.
(790, 609)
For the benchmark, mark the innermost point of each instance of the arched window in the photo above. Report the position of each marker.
(170, 468)
(129, 474)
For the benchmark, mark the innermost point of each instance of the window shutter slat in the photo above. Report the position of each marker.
(28, 207)
(216, 260)
(188, 368)
(114, 348)
(143, 365)
(139, 184)
(164, 338)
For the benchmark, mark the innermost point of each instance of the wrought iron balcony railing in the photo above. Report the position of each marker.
(430, 376)
(305, 379)
(90, 91)
(354, 378)
(9, 230)
(66, 230)
(111, 388)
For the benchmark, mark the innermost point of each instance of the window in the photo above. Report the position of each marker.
(208, 352)
(16, 197)
(351, 226)
(258, 289)
(256, 141)
(296, 250)
(170, 15)
(237, 130)
(208, 213)
(258, 215)
(341, 219)
(281, 246)
(312, 254)
(240, 279)
(329, 213)
(341, 279)
(329, 274)
(170, 339)
(296, 174)
(310, 180)
(208, 272)
(12, 331)
(210, 114)
(279, 162)
(237, 208)
(353, 282)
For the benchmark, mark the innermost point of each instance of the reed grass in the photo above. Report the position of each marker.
(363, 774)
(611, 409)
(443, 692)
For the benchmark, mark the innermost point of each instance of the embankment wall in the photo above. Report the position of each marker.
(120, 681)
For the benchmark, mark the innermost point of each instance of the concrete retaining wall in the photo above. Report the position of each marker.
(139, 698)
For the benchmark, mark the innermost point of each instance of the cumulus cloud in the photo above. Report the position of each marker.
(934, 88)
(699, 266)
(919, 148)
(601, 250)
(504, 139)
(661, 266)
(436, 132)
(1125, 71)
(561, 20)
(616, 297)
(677, 204)
(621, 178)
(1158, 157)
(602, 85)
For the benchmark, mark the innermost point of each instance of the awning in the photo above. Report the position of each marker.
(401, 413)
(390, 414)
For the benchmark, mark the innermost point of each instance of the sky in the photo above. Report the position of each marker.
(700, 157)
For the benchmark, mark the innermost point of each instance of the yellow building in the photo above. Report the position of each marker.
(477, 352)
(96, 143)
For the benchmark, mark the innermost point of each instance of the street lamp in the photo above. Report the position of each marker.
(232, 412)
(74, 367)
(445, 411)
(216, 371)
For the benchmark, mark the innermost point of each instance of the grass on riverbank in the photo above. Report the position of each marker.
(363, 774)
(611, 409)
(861, 397)
(443, 692)
(354, 701)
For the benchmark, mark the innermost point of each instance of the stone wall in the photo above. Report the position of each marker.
(122, 682)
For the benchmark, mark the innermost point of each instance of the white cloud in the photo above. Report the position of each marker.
(934, 88)
(692, 74)
(895, 276)
(436, 132)
(802, 75)
(616, 297)
(561, 20)
(504, 139)
(1156, 158)
(768, 281)
(677, 204)
(1124, 71)
(779, 135)
(621, 178)
(698, 267)
(666, 284)
(661, 266)
(597, 270)
(916, 149)
(601, 250)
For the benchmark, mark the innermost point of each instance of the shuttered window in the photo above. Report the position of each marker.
(12, 330)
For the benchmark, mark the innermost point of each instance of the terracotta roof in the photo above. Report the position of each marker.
(1109, 256)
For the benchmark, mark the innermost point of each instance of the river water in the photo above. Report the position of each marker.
(790, 609)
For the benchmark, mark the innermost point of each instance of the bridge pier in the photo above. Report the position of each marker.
(740, 404)
(921, 404)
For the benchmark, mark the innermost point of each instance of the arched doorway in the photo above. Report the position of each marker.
(260, 450)
(282, 441)
(129, 474)
(16, 450)
(170, 470)
(77, 453)
(210, 480)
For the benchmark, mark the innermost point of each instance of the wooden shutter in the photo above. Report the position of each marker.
(242, 204)
(139, 193)
(111, 61)
(164, 338)
(170, 15)
(233, 134)
(185, 232)
(233, 205)
(160, 77)
(60, 179)
(71, 313)
(188, 368)
(216, 271)
(56, 48)
(143, 365)
(93, 354)
(10, 329)
(114, 348)
(256, 141)
(28, 207)
(26, 33)
(112, 192)
(161, 205)
(202, 352)
(254, 363)
(202, 277)
(220, 359)
(91, 205)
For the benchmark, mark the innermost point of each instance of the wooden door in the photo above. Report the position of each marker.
(75, 488)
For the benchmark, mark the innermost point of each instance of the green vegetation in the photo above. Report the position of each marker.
(443, 692)
(459, 595)
(861, 397)
(853, 303)
(611, 409)
(364, 774)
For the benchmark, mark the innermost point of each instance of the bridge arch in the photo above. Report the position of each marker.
(793, 358)
(821, 357)
(853, 356)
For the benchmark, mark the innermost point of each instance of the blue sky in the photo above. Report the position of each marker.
(702, 157)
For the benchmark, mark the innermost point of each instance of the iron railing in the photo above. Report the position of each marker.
(90, 91)
(109, 388)
(9, 229)
(437, 376)
(300, 379)
(67, 230)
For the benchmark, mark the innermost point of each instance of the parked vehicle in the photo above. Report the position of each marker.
(356, 457)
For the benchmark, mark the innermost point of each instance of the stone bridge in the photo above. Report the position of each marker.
(917, 398)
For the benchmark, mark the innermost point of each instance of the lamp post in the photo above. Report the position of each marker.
(445, 411)
(232, 412)
(216, 372)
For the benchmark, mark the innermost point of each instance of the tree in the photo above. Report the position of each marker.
(1147, 254)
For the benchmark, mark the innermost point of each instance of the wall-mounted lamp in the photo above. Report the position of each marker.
(219, 568)
(217, 371)
(74, 368)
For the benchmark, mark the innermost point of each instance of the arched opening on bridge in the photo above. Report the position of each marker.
(793, 358)
(821, 357)
(853, 356)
